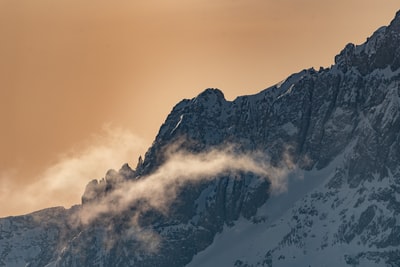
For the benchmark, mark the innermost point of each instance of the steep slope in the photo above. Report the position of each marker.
(334, 132)
(349, 216)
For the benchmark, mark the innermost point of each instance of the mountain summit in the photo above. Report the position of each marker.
(304, 173)
(378, 52)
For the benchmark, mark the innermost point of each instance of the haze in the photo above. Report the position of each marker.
(70, 67)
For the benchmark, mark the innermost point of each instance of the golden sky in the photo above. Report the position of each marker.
(83, 78)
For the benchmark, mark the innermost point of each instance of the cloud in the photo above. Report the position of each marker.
(63, 183)
(181, 167)
(158, 189)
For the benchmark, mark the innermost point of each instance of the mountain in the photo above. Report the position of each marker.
(327, 192)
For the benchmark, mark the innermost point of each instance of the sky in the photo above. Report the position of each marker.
(85, 85)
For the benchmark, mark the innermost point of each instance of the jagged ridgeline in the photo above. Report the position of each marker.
(304, 173)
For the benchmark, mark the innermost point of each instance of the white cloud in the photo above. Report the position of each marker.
(63, 183)
(158, 189)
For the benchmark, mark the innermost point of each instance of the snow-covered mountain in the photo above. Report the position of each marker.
(333, 133)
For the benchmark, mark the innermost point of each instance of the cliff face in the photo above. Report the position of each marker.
(339, 128)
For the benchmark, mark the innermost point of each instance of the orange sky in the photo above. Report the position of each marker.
(69, 67)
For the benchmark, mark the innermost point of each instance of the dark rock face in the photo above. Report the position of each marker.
(35, 238)
(380, 51)
(350, 110)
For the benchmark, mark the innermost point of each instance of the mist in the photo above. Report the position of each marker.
(182, 167)
(63, 183)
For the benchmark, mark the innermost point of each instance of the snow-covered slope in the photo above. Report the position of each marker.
(332, 133)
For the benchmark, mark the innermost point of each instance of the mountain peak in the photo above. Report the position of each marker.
(211, 93)
(395, 24)
(211, 99)
(380, 51)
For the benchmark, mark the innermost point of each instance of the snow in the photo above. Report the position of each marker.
(385, 73)
(247, 241)
(390, 105)
(289, 128)
(177, 125)
(372, 43)
(278, 85)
